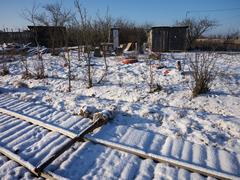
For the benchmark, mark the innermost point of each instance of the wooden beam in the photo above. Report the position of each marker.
(67, 145)
(73, 136)
(81, 137)
(39, 123)
(26, 164)
(162, 159)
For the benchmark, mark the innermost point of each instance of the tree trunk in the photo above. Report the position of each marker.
(69, 71)
(105, 60)
(89, 71)
(79, 58)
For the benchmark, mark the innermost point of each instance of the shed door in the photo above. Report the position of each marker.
(160, 41)
(163, 39)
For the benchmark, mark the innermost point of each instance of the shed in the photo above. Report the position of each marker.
(49, 36)
(166, 38)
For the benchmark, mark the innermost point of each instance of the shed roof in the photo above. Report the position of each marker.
(168, 27)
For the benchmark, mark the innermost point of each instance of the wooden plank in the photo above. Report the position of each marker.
(67, 145)
(80, 137)
(39, 123)
(26, 164)
(74, 137)
(163, 159)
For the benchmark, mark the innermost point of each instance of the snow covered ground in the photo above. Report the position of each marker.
(211, 119)
(36, 144)
(11, 170)
(94, 161)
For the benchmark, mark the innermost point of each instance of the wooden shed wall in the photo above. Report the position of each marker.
(177, 39)
(167, 39)
(160, 39)
(49, 36)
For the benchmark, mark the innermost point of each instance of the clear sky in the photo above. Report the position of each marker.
(158, 12)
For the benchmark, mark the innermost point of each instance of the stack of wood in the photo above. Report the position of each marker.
(87, 111)
(103, 116)
(92, 113)
(98, 117)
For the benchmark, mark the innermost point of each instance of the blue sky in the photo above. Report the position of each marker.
(158, 12)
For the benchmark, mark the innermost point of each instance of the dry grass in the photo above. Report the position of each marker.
(20, 84)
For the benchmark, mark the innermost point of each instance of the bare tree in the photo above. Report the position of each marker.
(151, 76)
(85, 33)
(196, 28)
(233, 34)
(104, 24)
(25, 65)
(54, 15)
(204, 71)
(75, 37)
(67, 57)
(3, 67)
(153, 86)
(31, 16)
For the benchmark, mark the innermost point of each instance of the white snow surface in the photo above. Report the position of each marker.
(94, 161)
(173, 150)
(11, 170)
(81, 161)
(212, 119)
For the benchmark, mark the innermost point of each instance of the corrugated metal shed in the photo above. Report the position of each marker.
(165, 38)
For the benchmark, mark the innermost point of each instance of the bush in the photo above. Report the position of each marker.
(27, 75)
(39, 70)
(204, 71)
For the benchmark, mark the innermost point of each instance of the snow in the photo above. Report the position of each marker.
(174, 149)
(94, 161)
(36, 144)
(11, 170)
(211, 120)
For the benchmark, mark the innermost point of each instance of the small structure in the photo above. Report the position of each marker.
(97, 52)
(115, 37)
(165, 38)
(106, 48)
(49, 36)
